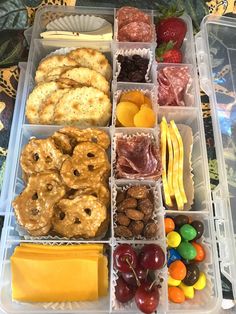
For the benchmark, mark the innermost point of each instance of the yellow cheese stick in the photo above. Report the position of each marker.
(163, 161)
(170, 160)
(80, 247)
(178, 198)
(181, 161)
(102, 276)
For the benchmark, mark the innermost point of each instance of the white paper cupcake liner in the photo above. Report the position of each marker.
(144, 53)
(157, 215)
(146, 92)
(77, 23)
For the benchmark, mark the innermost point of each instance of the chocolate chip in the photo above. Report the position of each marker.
(77, 221)
(62, 215)
(90, 167)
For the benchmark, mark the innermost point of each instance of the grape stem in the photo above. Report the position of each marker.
(135, 275)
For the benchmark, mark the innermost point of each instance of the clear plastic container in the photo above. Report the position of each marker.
(207, 301)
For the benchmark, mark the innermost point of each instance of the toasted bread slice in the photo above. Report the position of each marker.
(92, 59)
(87, 77)
(34, 102)
(83, 106)
(46, 111)
(52, 62)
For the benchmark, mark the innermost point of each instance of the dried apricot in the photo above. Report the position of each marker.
(176, 295)
(147, 105)
(135, 97)
(147, 101)
(125, 112)
(145, 118)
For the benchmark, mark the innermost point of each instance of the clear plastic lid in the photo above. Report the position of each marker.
(216, 53)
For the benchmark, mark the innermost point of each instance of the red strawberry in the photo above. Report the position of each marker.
(171, 27)
(167, 53)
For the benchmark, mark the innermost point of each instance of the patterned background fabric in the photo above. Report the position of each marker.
(18, 15)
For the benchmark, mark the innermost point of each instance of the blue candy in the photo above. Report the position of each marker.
(173, 255)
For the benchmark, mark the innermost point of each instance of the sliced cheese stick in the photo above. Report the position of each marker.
(181, 161)
(178, 198)
(163, 161)
(170, 160)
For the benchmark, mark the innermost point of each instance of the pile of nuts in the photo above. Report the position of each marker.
(134, 213)
(133, 69)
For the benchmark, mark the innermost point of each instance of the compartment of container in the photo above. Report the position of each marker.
(101, 305)
(191, 118)
(177, 85)
(146, 197)
(134, 23)
(29, 132)
(160, 275)
(208, 299)
(148, 90)
(143, 143)
(134, 65)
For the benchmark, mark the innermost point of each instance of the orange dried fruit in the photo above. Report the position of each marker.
(125, 112)
(135, 97)
(145, 118)
(147, 101)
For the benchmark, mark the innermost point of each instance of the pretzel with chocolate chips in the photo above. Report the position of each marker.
(89, 160)
(80, 217)
(34, 206)
(41, 155)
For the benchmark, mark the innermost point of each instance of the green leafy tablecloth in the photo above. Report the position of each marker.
(18, 15)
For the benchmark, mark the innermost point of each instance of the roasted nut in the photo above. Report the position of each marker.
(146, 206)
(134, 214)
(122, 231)
(122, 219)
(127, 203)
(147, 217)
(120, 196)
(150, 230)
(136, 227)
(138, 192)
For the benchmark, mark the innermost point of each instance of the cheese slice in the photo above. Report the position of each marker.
(178, 197)
(44, 273)
(163, 161)
(181, 161)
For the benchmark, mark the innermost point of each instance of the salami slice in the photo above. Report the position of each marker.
(173, 83)
(136, 31)
(126, 15)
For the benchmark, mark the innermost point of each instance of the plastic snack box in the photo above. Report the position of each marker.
(214, 48)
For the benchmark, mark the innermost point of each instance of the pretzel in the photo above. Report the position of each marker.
(41, 155)
(98, 190)
(41, 232)
(87, 135)
(63, 143)
(34, 206)
(80, 217)
(89, 164)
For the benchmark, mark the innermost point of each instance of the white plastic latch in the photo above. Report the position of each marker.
(202, 62)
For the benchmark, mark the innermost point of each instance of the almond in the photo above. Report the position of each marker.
(134, 214)
(138, 192)
(136, 227)
(122, 219)
(122, 231)
(127, 203)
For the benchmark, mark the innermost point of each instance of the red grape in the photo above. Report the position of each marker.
(130, 277)
(124, 256)
(151, 256)
(123, 291)
(147, 299)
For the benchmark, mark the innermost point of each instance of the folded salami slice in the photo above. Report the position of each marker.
(136, 32)
(126, 15)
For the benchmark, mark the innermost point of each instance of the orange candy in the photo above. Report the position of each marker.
(200, 252)
(176, 295)
(169, 225)
(177, 270)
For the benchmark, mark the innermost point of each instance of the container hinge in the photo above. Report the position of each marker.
(203, 66)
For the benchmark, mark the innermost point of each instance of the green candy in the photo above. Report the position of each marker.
(187, 250)
(187, 232)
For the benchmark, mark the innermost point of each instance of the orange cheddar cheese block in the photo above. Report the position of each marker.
(44, 273)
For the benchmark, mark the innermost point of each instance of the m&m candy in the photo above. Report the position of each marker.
(187, 232)
(187, 290)
(200, 252)
(173, 239)
(173, 282)
(177, 270)
(192, 275)
(187, 250)
(169, 225)
(181, 220)
(173, 255)
(201, 283)
(176, 295)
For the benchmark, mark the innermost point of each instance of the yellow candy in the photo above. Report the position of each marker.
(187, 290)
(145, 118)
(201, 283)
(173, 239)
(173, 282)
(135, 97)
(125, 112)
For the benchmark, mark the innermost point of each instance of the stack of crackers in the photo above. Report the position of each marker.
(72, 89)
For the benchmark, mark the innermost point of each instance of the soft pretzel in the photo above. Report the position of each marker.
(34, 206)
(41, 155)
(80, 217)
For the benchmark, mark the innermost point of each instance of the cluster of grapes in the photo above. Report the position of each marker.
(135, 275)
